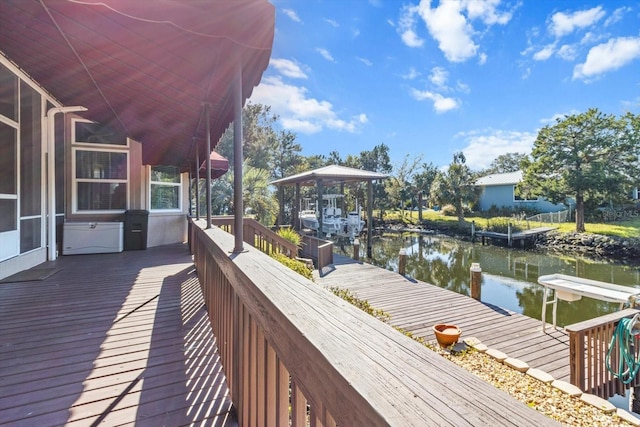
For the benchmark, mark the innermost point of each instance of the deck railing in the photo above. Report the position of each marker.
(321, 251)
(258, 236)
(295, 354)
(588, 346)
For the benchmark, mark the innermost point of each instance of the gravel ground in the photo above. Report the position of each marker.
(569, 411)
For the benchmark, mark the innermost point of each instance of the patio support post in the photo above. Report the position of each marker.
(342, 202)
(369, 217)
(295, 218)
(237, 161)
(52, 253)
(197, 179)
(319, 207)
(208, 161)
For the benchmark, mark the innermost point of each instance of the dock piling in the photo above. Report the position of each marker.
(475, 273)
(402, 262)
(356, 249)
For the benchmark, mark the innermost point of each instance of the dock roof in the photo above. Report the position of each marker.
(330, 174)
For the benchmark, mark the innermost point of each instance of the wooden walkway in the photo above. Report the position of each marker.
(417, 306)
(521, 236)
(117, 339)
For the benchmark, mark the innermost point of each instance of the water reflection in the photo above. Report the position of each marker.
(509, 276)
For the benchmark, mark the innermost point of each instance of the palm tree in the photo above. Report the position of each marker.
(455, 186)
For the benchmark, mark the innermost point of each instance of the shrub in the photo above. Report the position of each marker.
(363, 305)
(448, 210)
(290, 235)
(297, 266)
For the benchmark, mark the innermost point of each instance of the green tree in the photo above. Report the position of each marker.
(286, 161)
(455, 186)
(400, 184)
(504, 163)
(257, 198)
(422, 182)
(584, 156)
(377, 160)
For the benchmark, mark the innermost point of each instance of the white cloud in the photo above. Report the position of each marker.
(365, 61)
(567, 52)
(325, 54)
(608, 56)
(449, 23)
(485, 146)
(616, 16)
(406, 27)
(558, 116)
(545, 53)
(450, 28)
(355, 33)
(482, 58)
(292, 15)
(300, 113)
(441, 104)
(412, 74)
(332, 22)
(487, 12)
(439, 77)
(565, 23)
(463, 87)
(288, 68)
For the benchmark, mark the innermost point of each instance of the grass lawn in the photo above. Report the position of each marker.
(629, 228)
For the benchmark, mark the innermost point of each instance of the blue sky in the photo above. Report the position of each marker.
(432, 78)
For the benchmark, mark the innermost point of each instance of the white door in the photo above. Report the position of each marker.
(9, 236)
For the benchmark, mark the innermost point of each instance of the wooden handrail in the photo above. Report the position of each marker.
(258, 236)
(588, 345)
(321, 251)
(287, 344)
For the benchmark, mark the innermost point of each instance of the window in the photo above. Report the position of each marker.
(518, 197)
(101, 180)
(95, 133)
(165, 188)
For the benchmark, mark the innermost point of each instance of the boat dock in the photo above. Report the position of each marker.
(521, 236)
(416, 306)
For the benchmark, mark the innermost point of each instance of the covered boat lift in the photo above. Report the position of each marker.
(332, 175)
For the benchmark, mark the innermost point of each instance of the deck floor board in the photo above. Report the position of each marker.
(416, 306)
(122, 339)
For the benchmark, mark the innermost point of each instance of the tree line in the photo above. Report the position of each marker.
(587, 159)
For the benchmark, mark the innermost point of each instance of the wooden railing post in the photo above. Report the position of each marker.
(577, 359)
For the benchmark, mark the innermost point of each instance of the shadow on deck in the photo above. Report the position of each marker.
(116, 338)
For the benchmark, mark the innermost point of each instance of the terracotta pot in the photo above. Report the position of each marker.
(446, 335)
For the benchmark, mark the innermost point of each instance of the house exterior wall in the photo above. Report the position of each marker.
(503, 196)
(169, 227)
(24, 202)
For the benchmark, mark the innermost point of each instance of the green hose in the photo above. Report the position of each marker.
(623, 339)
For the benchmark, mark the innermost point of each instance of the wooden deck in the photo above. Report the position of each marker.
(117, 339)
(417, 306)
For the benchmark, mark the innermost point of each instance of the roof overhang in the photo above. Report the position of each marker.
(143, 68)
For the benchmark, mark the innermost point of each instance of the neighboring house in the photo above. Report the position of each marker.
(500, 190)
(106, 110)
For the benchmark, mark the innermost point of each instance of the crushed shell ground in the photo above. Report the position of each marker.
(569, 411)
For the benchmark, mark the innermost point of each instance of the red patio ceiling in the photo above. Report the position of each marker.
(143, 67)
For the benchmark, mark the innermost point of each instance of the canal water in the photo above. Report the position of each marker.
(509, 276)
